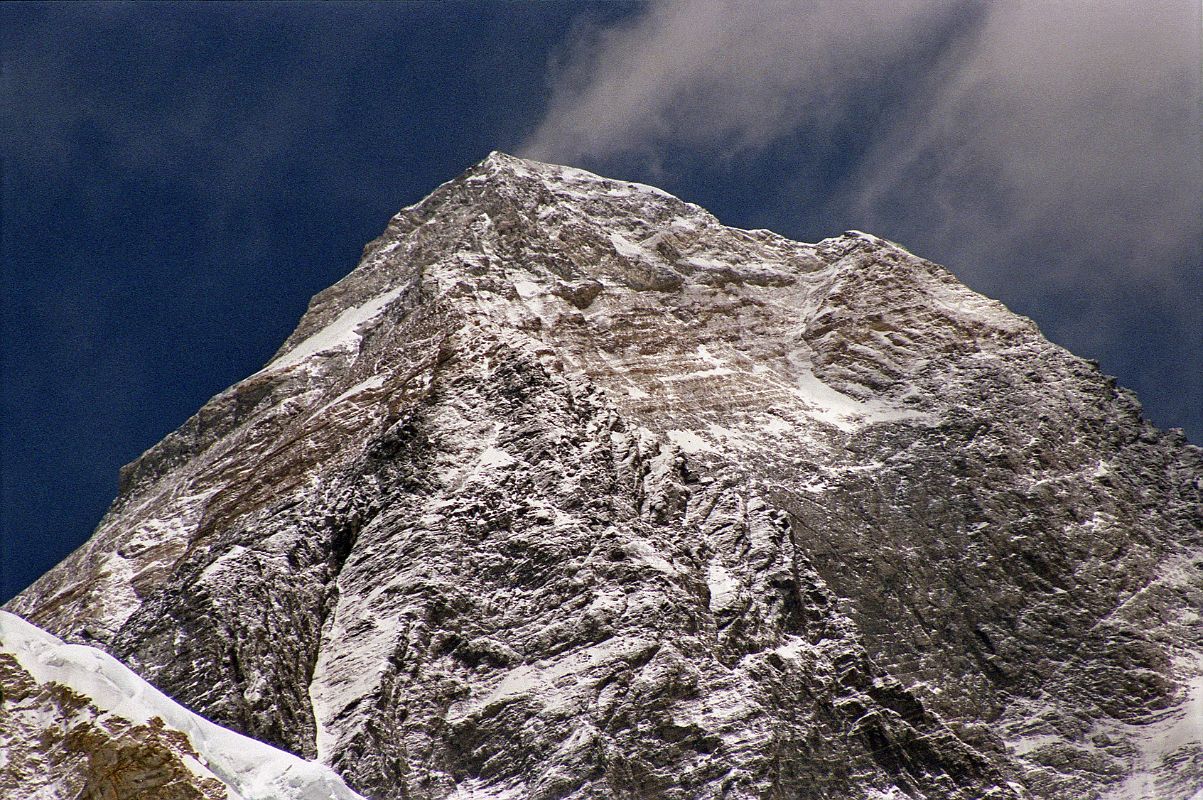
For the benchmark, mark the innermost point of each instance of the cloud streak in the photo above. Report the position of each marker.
(730, 75)
(1066, 122)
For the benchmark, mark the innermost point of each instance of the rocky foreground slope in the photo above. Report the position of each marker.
(569, 491)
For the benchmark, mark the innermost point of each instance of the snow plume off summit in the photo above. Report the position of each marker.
(570, 491)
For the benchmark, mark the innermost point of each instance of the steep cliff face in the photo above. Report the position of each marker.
(570, 491)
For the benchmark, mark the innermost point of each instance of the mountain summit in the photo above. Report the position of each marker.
(570, 491)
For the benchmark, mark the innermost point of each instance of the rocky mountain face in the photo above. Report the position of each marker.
(569, 491)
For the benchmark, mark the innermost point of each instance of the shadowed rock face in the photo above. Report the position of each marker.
(570, 491)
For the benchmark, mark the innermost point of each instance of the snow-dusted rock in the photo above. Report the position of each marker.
(570, 491)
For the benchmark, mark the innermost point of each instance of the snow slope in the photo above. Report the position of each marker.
(250, 769)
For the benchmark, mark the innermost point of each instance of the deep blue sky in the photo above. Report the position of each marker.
(178, 180)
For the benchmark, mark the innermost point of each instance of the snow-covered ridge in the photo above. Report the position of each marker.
(498, 160)
(250, 769)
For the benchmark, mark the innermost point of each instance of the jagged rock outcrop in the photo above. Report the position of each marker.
(570, 491)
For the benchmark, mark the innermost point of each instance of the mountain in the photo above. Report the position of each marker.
(569, 491)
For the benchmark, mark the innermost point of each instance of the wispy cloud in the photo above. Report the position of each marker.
(1070, 128)
(733, 75)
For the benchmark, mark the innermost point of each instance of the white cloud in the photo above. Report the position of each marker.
(707, 73)
(1077, 123)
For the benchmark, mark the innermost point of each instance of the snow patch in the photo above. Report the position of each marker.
(724, 589)
(689, 441)
(340, 334)
(480, 789)
(776, 426)
(625, 248)
(713, 372)
(527, 289)
(374, 382)
(254, 770)
(552, 682)
(1176, 731)
(493, 457)
(1028, 744)
(709, 358)
(702, 262)
(832, 406)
